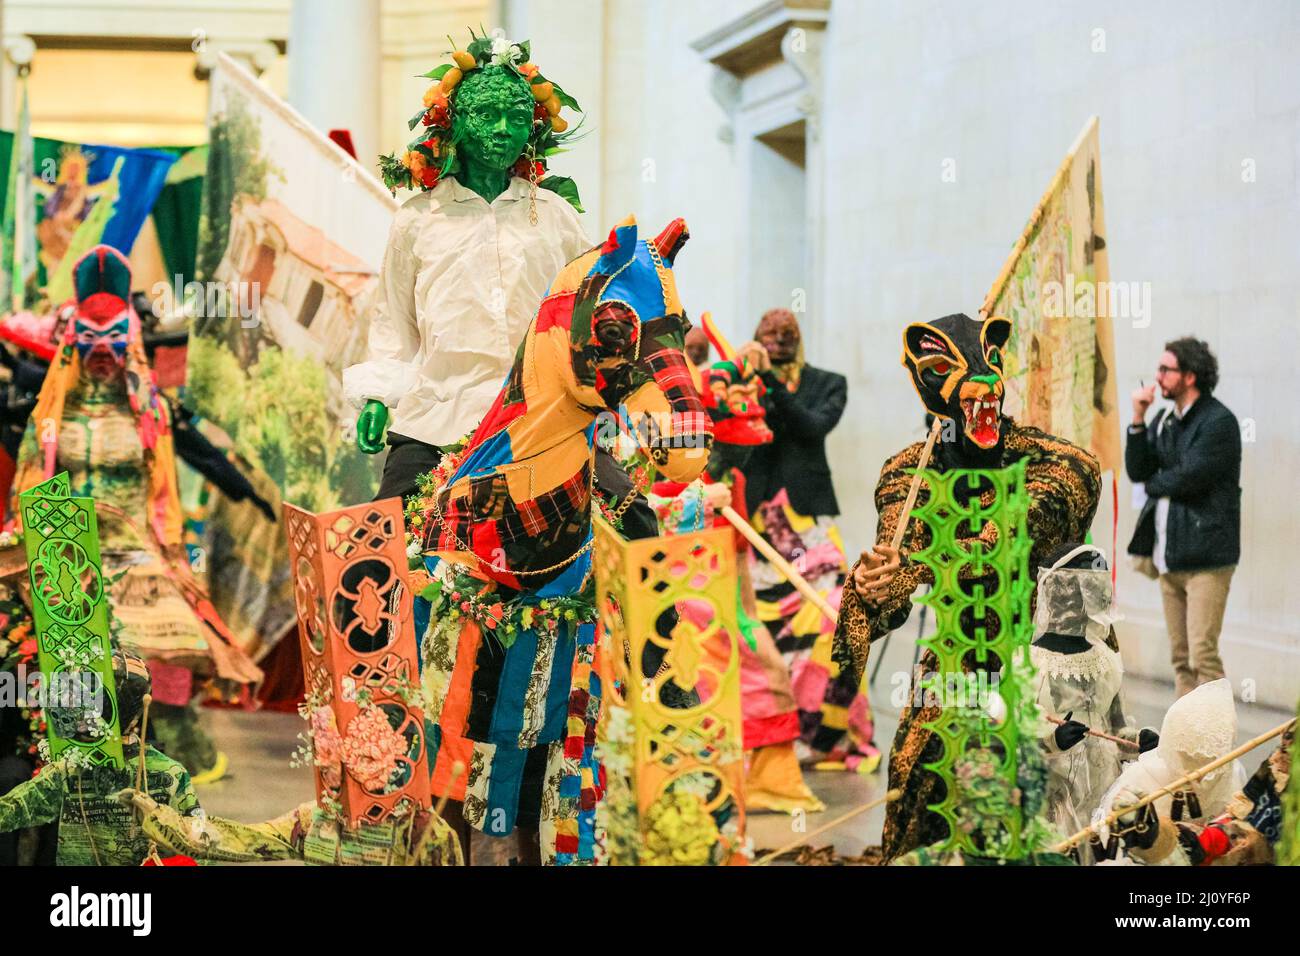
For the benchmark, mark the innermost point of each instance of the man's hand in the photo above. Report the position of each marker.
(757, 356)
(875, 573)
(370, 427)
(1142, 399)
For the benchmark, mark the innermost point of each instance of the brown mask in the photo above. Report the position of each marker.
(778, 332)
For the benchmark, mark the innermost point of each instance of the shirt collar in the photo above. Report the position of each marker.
(449, 188)
(1180, 415)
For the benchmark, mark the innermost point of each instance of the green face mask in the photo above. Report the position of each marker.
(491, 123)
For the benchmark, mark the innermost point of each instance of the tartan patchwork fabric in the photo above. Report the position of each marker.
(620, 282)
(685, 430)
(578, 489)
(544, 420)
(513, 394)
(671, 374)
(582, 779)
(489, 502)
(534, 521)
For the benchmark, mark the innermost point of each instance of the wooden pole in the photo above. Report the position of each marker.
(1192, 777)
(141, 779)
(794, 577)
(781, 564)
(889, 797)
(1097, 733)
(456, 770)
(901, 529)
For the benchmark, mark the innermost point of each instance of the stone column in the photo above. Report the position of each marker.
(17, 60)
(334, 69)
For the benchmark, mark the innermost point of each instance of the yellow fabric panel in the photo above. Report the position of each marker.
(808, 620)
(774, 781)
(835, 717)
(821, 653)
(833, 532)
(799, 523)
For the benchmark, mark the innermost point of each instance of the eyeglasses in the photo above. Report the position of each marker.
(1166, 370)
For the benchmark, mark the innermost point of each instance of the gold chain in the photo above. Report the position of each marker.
(618, 514)
(659, 265)
(532, 188)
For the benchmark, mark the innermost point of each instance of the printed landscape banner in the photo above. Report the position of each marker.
(1055, 288)
(290, 240)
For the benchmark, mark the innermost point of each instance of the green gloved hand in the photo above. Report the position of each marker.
(370, 427)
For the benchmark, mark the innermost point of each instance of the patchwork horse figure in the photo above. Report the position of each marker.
(512, 690)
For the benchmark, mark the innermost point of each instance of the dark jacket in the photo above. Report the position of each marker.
(796, 458)
(1196, 464)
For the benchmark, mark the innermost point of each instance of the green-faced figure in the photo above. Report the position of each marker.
(492, 115)
(490, 124)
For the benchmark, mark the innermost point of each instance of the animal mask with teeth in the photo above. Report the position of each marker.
(956, 366)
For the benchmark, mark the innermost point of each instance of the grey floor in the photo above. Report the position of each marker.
(261, 784)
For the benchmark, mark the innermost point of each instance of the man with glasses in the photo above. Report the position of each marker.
(1189, 531)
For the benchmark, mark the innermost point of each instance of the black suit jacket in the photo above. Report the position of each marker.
(1196, 464)
(796, 458)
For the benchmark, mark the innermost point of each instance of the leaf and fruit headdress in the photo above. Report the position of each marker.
(433, 153)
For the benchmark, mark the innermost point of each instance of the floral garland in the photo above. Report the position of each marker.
(18, 651)
(465, 596)
(417, 513)
(468, 598)
(432, 155)
(370, 750)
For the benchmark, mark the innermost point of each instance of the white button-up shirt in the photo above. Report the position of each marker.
(1162, 504)
(459, 286)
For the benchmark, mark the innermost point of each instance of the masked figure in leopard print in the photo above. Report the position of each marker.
(956, 366)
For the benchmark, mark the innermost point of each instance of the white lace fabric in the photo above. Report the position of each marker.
(1200, 727)
(1086, 686)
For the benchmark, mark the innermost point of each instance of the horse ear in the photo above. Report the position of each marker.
(671, 240)
(619, 248)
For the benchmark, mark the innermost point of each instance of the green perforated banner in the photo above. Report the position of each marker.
(1288, 847)
(70, 611)
(979, 552)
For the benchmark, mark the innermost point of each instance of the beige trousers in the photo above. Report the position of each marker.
(1194, 603)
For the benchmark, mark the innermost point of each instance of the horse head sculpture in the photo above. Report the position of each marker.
(604, 349)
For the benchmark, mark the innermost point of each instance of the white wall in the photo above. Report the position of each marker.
(1186, 92)
(654, 149)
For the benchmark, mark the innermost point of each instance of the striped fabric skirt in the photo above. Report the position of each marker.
(522, 720)
(835, 722)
